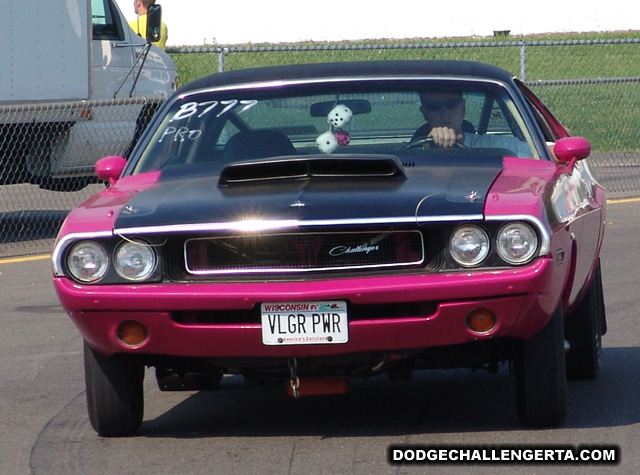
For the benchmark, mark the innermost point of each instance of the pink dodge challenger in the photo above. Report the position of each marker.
(312, 224)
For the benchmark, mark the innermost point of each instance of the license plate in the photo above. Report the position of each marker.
(304, 323)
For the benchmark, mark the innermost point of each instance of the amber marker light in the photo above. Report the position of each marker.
(132, 333)
(481, 320)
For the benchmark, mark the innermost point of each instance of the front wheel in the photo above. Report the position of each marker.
(584, 330)
(115, 398)
(541, 380)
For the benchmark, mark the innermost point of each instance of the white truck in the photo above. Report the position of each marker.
(75, 82)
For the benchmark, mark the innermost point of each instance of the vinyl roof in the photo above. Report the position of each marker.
(351, 69)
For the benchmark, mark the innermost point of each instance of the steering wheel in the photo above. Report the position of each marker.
(421, 141)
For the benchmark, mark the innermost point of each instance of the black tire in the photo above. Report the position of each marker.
(115, 398)
(70, 184)
(584, 330)
(541, 382)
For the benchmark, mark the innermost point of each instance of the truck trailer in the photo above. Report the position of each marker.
(77, 83)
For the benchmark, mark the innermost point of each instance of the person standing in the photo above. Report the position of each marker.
(139, 25)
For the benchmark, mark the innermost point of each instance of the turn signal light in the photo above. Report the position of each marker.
(481, 320)
(131, 333)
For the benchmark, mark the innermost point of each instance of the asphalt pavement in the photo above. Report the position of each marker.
(45, 428)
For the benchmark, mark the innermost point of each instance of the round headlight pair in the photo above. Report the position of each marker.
(88, 261)
(516, 244)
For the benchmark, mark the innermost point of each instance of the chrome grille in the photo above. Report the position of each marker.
(303, 252)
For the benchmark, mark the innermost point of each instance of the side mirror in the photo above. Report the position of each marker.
(154, 20)
(568, 149)
(110, 168)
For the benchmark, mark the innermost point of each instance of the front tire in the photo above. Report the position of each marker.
(584, 330)
(541, 382)
(115, 398)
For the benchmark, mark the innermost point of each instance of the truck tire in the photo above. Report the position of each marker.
(12, 151)
(584, 330)
(115, 398)
(541, 382)
(39, 156)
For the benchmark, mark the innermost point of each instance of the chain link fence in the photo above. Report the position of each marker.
(47, 153)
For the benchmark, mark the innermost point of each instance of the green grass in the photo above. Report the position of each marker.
(607, 114)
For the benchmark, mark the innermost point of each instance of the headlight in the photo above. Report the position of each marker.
(517, 243)
(469, 245)
(134, 260)
(87, 261)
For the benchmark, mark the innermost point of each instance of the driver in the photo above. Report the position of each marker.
(444, 112)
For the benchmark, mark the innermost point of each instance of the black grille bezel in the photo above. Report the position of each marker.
(303, 252)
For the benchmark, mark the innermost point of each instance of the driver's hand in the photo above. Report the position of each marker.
(445, 137)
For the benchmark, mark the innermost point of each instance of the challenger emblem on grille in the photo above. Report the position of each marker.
(363, 248)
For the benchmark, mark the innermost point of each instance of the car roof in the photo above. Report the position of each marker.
(369, 69)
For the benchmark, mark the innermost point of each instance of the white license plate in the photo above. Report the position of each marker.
(304, 323)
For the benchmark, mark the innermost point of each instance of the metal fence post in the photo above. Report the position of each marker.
(221, 53)
(523, 61)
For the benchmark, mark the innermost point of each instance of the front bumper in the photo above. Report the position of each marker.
(522, 300)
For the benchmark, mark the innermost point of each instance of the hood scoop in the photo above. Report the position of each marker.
(335, 166)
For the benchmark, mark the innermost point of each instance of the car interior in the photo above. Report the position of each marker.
(211, 134)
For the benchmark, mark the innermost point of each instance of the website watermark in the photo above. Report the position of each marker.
(507, 454)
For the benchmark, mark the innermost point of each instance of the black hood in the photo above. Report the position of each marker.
(440, 189)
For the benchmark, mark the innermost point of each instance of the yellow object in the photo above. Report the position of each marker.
(139, 26)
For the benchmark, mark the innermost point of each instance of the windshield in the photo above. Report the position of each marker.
(211, 129)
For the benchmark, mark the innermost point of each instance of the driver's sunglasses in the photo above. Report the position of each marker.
(436, 106)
